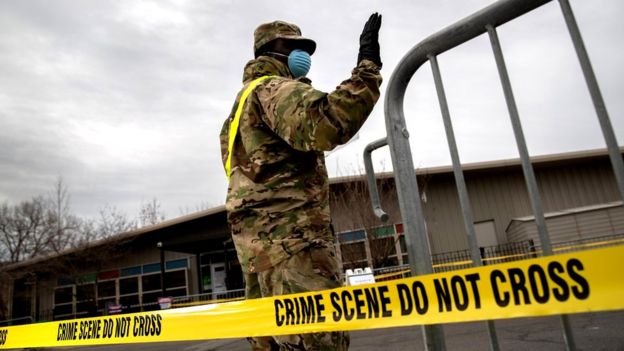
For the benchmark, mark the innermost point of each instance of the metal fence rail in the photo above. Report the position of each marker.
(16, 321)
(484, 21)
(214, 297)
(509, 252)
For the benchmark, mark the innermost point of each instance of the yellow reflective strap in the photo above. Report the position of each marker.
(236, 120)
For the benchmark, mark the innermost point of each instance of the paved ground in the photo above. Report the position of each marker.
(595, 332)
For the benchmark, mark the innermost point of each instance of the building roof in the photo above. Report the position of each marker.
(122, 236)
(541, 160)
(570, 211)
(545, 160)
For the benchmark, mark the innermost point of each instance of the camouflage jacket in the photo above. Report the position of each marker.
(278, 195)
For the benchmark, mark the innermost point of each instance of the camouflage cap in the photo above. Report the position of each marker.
(267, 32)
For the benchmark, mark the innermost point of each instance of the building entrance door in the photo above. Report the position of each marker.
(486, 233)
(217, 271)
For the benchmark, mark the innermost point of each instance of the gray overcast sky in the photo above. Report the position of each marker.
(125, 99)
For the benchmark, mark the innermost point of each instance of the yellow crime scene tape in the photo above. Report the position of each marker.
(568, 283)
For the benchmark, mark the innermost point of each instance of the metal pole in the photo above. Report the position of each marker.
(200, 283)
(527, 168)
(529, 175)
(457, 169)
(162, 268)
(226, 264)
(462, 191)
(372, 180)
(596, 95)
(36, 296)
(412, 216)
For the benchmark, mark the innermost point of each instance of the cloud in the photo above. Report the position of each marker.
(125, 100)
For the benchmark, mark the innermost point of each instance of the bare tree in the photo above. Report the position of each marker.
(46, 225)
(24, 229)
(42, 225)
(66, 227)
(151, 213)
(111, 221)
(351, 198)
(38, 226)
(202, 206)
(6, 238)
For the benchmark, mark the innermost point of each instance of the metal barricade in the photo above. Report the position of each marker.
(483, 21)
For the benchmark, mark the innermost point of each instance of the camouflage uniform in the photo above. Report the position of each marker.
(278, 195)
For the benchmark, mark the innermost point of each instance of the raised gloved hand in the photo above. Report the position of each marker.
(369, 40)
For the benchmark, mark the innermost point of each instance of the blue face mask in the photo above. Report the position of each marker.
(299, 63)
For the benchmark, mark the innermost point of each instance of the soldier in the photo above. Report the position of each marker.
(272, 146)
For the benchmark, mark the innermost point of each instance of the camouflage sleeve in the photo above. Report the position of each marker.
(309, 119)
(223, 140)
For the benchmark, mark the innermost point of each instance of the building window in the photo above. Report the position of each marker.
(130, 302)
(150, 282)
(129, 293)
(383, 252)
(383, 247)
(376, 247)
(354, 255)
(107, 293)
(352, 236)
(128, 286)
(85, 300)
(353, 249)
(175, 282)
(212, 262)
(130, 271)
(206, 279)
(151, 289)
(383, 232)
(181, 263)
(151, 268)
(403, 246)
(63, 302)
(135, 288)
(64, 295)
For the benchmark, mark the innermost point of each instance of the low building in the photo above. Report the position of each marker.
(574, 224)
(193, 256)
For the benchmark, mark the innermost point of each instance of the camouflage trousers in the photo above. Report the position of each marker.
(314, 268)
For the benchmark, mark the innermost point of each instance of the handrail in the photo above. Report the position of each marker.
(372, 181)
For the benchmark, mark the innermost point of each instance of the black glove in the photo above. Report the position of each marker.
(369, 40)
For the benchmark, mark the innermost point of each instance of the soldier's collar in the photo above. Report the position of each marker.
(265, 66)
